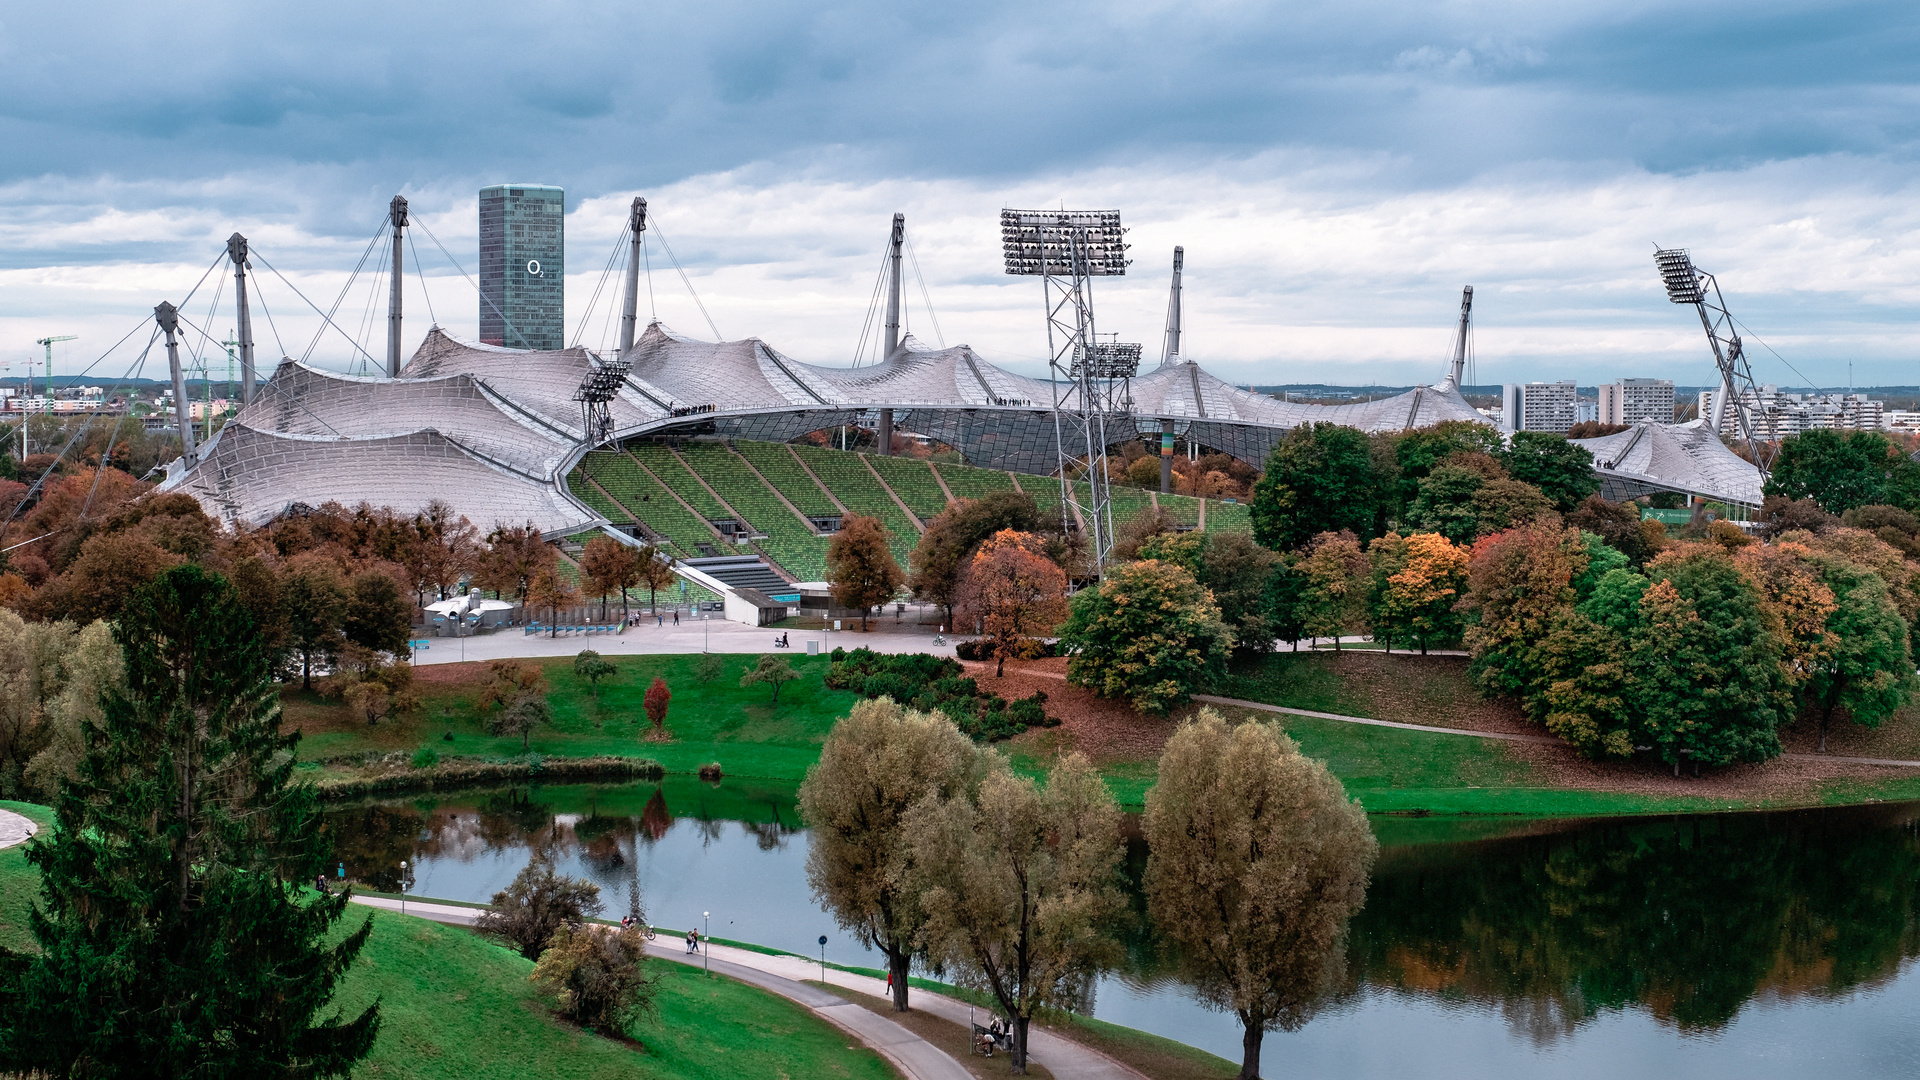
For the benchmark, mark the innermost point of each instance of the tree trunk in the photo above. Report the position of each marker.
(1001, 654)
(1019, 1053)
(306, 670)
(1250, 1036)
(897, 961)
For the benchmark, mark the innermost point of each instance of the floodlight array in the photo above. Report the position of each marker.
(603, 383)
(1063, 243)
(1677, 272)
(1111, 360)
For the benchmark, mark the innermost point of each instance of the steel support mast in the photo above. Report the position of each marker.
(630, 307)
(168, 317)
(894, 244)
(1688, 284)
(1170, 354)
(1458, 372)
(237, 251)
(1091, 385)
(397, 214)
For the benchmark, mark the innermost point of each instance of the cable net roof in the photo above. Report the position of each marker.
(1685, 457)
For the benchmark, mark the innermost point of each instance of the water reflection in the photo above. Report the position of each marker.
(1748, 945)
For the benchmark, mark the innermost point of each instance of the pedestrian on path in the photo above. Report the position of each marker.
(676, 616)
(693, 941)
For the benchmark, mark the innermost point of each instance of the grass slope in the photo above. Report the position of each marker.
(19, 881)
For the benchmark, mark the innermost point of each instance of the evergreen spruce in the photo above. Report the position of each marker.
(178, 931)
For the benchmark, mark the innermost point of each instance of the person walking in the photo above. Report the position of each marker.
(676, 616)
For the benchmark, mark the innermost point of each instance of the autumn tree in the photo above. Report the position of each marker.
(1335, 575)
(860, 565)
(593, 667)
(1256, 861)
(1148, 633)
(607, 564)
(654, 569)
(1418, 582)
(549, 589)
(772, 670)
(91, 668)
(376, 616)
(1868, 669)
(514, 698)
(1320, 478)
(316, 605)
(1020, 886)
(876, 765)
(527, 913)
(444, 548)
(514, 556)
(177, 934)
(1014, 592)
(1621, 526)
(656, 701)
(1516, 581)
(598, 976)
(941, 555)
(520, 717)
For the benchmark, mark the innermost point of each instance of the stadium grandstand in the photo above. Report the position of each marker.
(691, 444)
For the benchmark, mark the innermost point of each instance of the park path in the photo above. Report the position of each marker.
(15, 829)
(691, 636)
(787, 976)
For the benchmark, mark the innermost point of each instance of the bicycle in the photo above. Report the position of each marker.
(939, 639)
(649, 933)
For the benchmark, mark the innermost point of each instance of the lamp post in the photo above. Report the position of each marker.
(403, 886)
(706, 946)
(704, 616)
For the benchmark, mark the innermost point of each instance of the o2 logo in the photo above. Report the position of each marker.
(533, 267)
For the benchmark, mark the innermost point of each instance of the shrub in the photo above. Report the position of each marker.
(935, 683)
(597, 976)
(711, 772)
(526, 914)
(426, 758)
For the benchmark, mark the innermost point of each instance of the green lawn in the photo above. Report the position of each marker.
(455, 1006)
(739, 727)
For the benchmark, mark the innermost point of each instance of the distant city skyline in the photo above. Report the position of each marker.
(1336, 172)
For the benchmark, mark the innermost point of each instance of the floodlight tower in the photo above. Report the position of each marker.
(1687, 284)
(1066, 250)
(601, 386)
(397, 214)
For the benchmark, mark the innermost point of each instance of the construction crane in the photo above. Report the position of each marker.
(48, 370)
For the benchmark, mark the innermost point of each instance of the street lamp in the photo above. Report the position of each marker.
(706, 946)
(704, 616)
(403, 886)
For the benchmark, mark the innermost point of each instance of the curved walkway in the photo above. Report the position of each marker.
(788, 975)
(15, 829)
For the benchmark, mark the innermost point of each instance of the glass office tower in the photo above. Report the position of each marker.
(522, 263)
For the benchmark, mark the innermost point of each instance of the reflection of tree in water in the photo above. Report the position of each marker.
(655, 818)
(512, 817)
(1685, 918)
(771, 835)
(373, 840)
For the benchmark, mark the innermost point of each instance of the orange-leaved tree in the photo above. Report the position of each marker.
(608, 564)
(1336, 572)
(1418, 581)
(1014, 591)
(861, 567)
(656, 702)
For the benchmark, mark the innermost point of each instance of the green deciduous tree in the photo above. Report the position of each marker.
(772, 670)
(1844, 469)
(176, 934)
(1149, 633)
(944, 550)
(1334, 599)
(1562, 471)
(593, 667)
(377, 616)
(1704, 668)
(316, 602)
(1020, 885)
(1320, 478)
(1444, 503)
(1256, 862)
(860, 565)
(1868, 670)
(876, 764)
(1418, 583)
(90, 670)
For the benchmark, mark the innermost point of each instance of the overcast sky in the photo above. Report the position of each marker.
(1335, 171)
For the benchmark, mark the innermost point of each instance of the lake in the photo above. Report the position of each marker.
(1736, 945)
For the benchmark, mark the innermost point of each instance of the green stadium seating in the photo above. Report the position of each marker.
(1181, 509)
(854, 485)
(1228, 517)
(777, 464)
(789, 541)
(913, 481)
(673, 472)
(645, 499)
(968, 482)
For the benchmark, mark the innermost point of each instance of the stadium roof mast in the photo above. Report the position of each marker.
(1688, 284)
(1459, 369)
(630, 309)
(1170, 350)
(168, 317)
(397, 214)
(894, 244)
(237, 252)
(1066, 250)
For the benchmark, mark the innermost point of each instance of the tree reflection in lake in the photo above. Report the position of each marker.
(1686, 918)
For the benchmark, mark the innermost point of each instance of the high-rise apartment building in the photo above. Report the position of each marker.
(1538, 406)
(523, 248)
(1776, 415)
(1629, 401)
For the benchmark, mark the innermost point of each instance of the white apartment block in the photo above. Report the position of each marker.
(1539, 406)
(1775, 415)
(1629, 401)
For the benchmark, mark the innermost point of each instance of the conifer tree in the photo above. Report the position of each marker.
(177, 935)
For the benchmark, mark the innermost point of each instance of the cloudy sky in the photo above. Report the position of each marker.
(1336, 171)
